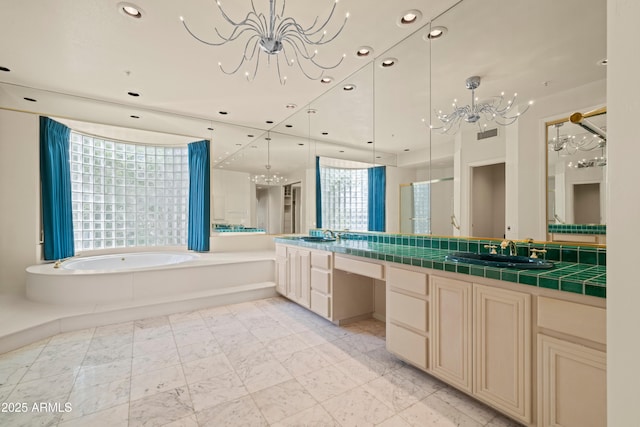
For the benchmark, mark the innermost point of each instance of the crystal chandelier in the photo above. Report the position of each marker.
(495, 109)
(268, 178)
(275, 34)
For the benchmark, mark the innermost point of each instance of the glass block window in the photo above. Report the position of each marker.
(126, 195)
(344, 198)
(421, 207)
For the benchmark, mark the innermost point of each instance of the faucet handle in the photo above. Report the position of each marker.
(492, 247)
(535, 252)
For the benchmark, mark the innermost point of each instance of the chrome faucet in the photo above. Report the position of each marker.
(330, 234)
(511, 245)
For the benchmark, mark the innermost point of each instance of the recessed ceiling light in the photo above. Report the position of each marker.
(604, 61)
(4, 69)
(311, 111)
(224, 113)
(409, 17)
(30, 99)
(378, 157)
(288, 126)
(133, 94)
(406, 149)
(269, 122)
(209, 128)
(300, 144)
(134, 117)
(388, 62)
(238, 145)
(342, 151)
(369, 142)
(268, 138)
(364, 51)
(291, 106)
(130, 10)
(326, 80)
(349, 87)
(250, 136)
(325, 133)
(436, 33)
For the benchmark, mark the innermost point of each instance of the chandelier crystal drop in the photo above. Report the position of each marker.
(277, 36)
(495, 109)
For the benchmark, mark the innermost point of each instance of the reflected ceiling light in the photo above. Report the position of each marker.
(291, 106)
(409, 17)
(348, 87)
(311, 111)
(130, 9)
(30, 99)
(134, 117)
(209, 128)
(604, 61)
(494, 109)
(275, 34)
(135, 94)
(223, 113)
(388, 62)
(364, 51)
(4, 69)
(326, 79)
(268, 178)
(436, 32)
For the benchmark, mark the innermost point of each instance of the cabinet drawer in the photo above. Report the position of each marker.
(411, 281)
(281, 251)
(321, 304)
(362, 268)
(410, 346)
(321, 260)
(583, 321)
(408, 310)
(321, 280)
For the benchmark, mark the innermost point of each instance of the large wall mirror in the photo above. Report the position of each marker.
(577, 177)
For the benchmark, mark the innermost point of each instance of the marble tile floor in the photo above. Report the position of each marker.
(262, 363)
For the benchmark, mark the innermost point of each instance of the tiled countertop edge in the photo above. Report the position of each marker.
(566, 276)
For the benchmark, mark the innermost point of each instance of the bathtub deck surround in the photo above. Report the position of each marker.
(266, 362)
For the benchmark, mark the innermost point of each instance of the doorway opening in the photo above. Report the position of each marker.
(488, 201)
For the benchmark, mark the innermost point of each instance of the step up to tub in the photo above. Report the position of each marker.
(88, 316)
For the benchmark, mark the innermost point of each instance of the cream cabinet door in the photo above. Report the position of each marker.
(502, 350)
(450, 355)
(572, 384)
(281, 276)
(299, 261)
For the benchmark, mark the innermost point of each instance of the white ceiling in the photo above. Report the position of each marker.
(79, 60)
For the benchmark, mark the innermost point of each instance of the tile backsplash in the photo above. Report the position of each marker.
(594, 255)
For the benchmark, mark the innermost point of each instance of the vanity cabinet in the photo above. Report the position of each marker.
(407, 315)
(472, 336)
(282, 270)
(572, 371)
(451, 340)
(321, 283)
(502, 349)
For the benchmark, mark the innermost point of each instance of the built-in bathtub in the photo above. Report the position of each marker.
(135, 277)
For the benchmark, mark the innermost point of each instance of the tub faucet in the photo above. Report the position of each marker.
(511, 245)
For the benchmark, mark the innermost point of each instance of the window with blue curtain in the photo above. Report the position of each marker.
(199, 198)
(55, 179)
(350, 198)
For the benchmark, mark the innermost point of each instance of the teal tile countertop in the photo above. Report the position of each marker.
(577, 228)
(569, 274)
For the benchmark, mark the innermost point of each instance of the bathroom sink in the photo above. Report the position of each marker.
(317, 239)
(500, 261)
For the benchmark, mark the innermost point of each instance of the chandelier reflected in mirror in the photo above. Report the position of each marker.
(277, 36)
(268, 178)
(495, 109)
(568, 145)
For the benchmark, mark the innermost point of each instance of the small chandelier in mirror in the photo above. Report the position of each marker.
(495, 109)
(276, 35)
(268, 178)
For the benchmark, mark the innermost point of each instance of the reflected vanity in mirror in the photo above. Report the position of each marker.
(576, 177)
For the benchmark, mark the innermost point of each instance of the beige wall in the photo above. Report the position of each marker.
(19, 190)
(623, 214)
